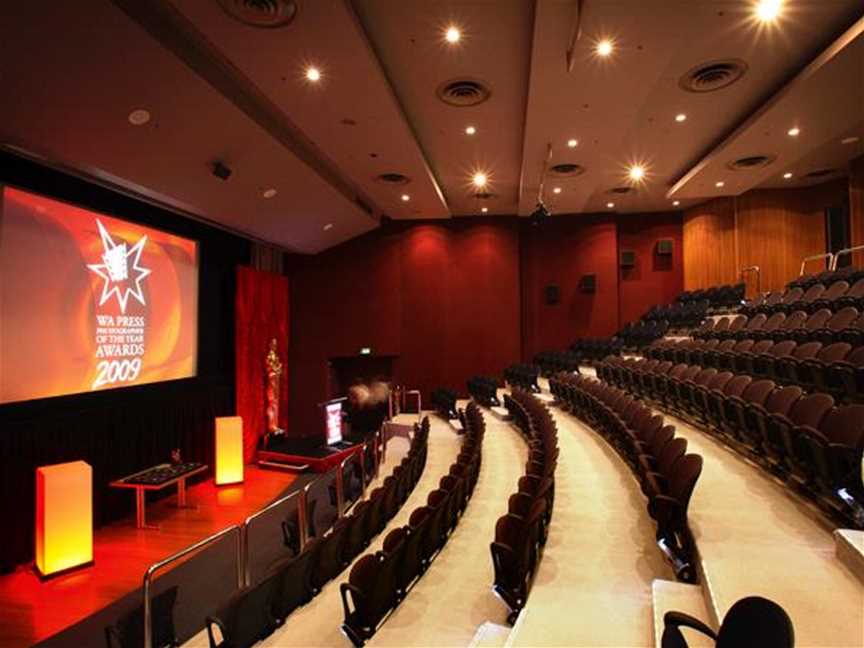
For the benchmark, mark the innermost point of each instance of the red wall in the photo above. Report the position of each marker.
(654, 279)
(461, 297)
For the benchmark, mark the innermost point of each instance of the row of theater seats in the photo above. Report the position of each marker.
(679, 315)
(484, 390)
(837, 369)
(839, 295)
(657, 457)
(637, 335)
(551, 362)
(443, 401)
(523, 376)
(807, 439)
(589, 350)
(845, 325)
(379, 582)
(849, 274)
(521, 534)
(255, 611)
(719, 298)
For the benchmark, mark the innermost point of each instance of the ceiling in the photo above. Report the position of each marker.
(217, 89)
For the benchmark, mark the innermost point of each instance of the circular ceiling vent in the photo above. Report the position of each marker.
(261, 13)
(821, 173)
(393, 178)
(751, 162)
(715, 75)
(622, 190)
(463, 92)
(567, 169)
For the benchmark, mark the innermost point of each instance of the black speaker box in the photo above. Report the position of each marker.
(628, 258)
(553, 294)
(588, 283)
(664, 247)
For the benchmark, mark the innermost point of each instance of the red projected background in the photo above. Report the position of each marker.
(90, 302)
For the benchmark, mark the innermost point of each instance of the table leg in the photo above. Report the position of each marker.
(141, 510)
(181, 495)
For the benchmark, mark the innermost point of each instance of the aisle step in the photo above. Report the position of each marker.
(490, 635)
(849, 547)
(681, 597)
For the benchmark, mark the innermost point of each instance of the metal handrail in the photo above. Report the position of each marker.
(854, 248)
(249, 520)
(148, 575)
(824, 255)
(758, 271)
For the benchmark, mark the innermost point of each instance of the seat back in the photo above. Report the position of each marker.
(330, 555)
(813, 293)
(738, 323)
(784, 348)
(774, 322)
(737, 385)
(834, 352)
(762, 346)
(671, 453)
(781, 400)
(835, 290)
(818, 319)
(248, 617)
(756, 322)
(128, 632)
(296, 586)
(719, 380)
(794, 321)
(758, 391)
(857, 290)
(810, 410)
(845, 426)
(743, 346)
(792, 295)
(808, 350)
(756, 622)
(842, 319)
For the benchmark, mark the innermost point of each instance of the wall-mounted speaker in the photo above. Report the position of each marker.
(588, 283)
(628, 258)
(552, 294)
(664, 247)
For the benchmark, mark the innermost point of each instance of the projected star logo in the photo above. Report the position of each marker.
(117, 265)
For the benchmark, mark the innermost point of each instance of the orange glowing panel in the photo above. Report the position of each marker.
(229, 450)
(64, 517)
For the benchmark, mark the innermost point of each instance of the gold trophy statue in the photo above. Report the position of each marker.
(274, 373)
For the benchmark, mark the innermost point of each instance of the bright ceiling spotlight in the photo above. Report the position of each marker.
(572, 143)
(470, 130)
(768, 10)
(556, 190)
(610, 205)
(484, 209)
(405, 197)
(675, 203)
(328, 226)
(719, 184)
(850, 140)
(139, 117)
(680, 117)
(269, 193)
(479, 180)
(636, 172)
(452, 35)
(793, 132)
(604, 47)
(313, 74)
(787, 175)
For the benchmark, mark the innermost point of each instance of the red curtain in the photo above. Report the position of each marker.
(262, 314)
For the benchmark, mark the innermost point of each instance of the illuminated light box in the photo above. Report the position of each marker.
(229, 450)
(64, 517)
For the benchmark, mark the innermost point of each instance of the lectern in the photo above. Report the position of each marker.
(64, 517)
(229, 450)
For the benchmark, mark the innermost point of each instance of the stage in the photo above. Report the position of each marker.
(32, 610)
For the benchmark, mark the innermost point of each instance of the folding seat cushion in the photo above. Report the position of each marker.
(793, 321)
(854, 333)
(331, 555)
(247, 618)
(852, 297)
(721, 325)
(737, 324)
(716, 401)
(771, 301)
(810, 297)
(829, 299)
(834, 451)
(791, 299)
(764, 363)
(744, 361)
(367, 597)
(511, 559)
(656, 480)
(752, 622)
(814, 323)
(811, 373)
(782, 430)
(755, 323)
(845, 378)
(767, 329)
(779, 402)
(785, 368)
(296, 587)
(838, 322)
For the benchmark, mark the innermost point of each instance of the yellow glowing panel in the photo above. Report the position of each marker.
(229, 450)
(64, 517)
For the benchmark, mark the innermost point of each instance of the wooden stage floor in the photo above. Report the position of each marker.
(31, 610)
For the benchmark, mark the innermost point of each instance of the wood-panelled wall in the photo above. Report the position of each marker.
(856, 206)
(772, 228)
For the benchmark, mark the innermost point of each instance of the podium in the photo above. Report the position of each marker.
(64, 518)
(229, 450)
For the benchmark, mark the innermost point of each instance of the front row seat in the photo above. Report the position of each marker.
(753, 622)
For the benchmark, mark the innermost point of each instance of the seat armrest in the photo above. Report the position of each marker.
(678, 619)
(344, 589)
(215, 621)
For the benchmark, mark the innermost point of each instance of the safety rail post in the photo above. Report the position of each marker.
(340, 491)
(303, 514)
(854, 248)
(824, 255)
(152, 569)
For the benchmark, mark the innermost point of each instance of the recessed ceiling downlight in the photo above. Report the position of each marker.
(393, 178)
(567, 169)
(266, 14)
(713, 75)
(751, 162)
(139, 117)
(463, 92)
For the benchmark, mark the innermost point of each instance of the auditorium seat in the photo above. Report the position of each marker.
(813, 324)
(295, 586)
(793, 321)
(331, 555)
(830, 298)
(128, 632)
(655, 474)
(838, 322)
(716, 401)
(767, 329)
(782, 430)
(763, 363)
(782, 369)
(512, 560)
(752, 622)
(745, 361)
(368, 596)
(853, 297)
(811, 373)
(779, 402)
(247, 618)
